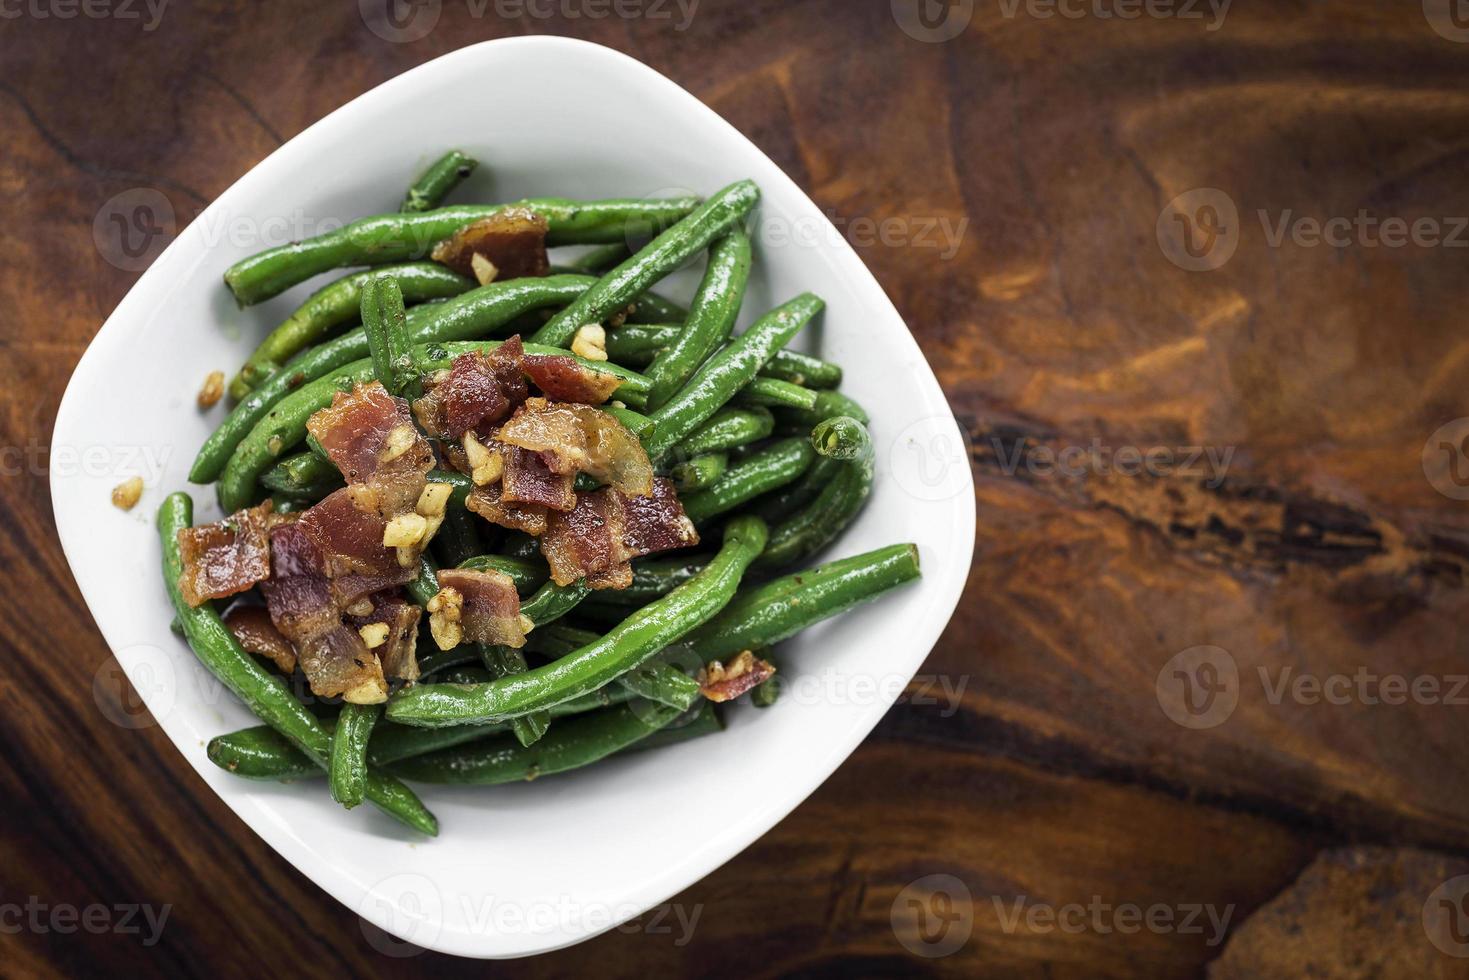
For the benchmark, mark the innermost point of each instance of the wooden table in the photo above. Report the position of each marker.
(1076, 320)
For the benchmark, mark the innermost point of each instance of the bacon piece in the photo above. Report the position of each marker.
(512, 239)
(528, 479)
(299, 597)
(607, 529)
(370, 435)
(486, 502)
(490, 612)
(745, 672)
(397, 654)
(478, 392)
(252, 627)
(226, 557)
(565, 379)
(586, 439)
(350, 540)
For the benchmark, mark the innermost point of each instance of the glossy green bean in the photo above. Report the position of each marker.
(549, 604)
(347, 772)
(663, 683)
(303, 475)
(527, 573)
(774, 393)
(808, 530)
(466, 317)
(598, 260)
(385, 322)
(712, 315)
(637, 345)
(665, 253)
(651, 578)
(730, 428)
(841, 437)
(629, 645)
(264, 693)
(435, 183)
(459, 537)
(698, 472)
(829, 404)
(726, 372)
(335, 304)
(399, 237)
(769, 469)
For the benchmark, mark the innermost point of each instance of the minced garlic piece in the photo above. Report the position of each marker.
(434, 499)
(362, 607)
(368, 692)
(590, 342)
(127, 493)
(444, 611)
(213, 390)
(399, 441)
(484, 270)
(404, 531)
(485, 466)
(374, 635)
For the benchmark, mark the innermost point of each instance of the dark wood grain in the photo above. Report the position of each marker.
(1056, 322)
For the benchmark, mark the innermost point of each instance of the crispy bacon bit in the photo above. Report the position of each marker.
(486, 502)
(397, 620)
(370, 436)
(350, 539)
(565, 379)
(745, 672)
(479, 391)
(227, 557)
(302, 607)
(587, 439)
(490, 610)
(527, 479)
(513, 240)
(607, 529)
(255, 632)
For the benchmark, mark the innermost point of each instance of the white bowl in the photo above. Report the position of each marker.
(527, 868)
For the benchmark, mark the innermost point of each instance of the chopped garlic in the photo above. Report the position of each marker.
(444, 610)
(404, 531)
(590, 342)
(127, 493)
(368, 692)
(434, 499)
(399, 441)
(484, 270)
(213, 390)
(362, 607)
(374, 635)
(485, 466)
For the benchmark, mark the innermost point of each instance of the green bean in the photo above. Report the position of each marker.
(264, 693)
(399, 237)
(459, 539)
(598, 260)
(435, 183)
(629, 645)
(829, 404)
(262, 752)
(695, 723)
(764, 694)
(658, 258)
(575, 743)
(812, 528)
(335, 304)
(651, 578)
(766, 614)
(769, 469)
(559, 639)
(698, 472)
(841, 437)
(347, 774)
(712, 316)
(635, 422)
(549, 604)
(303, 475)
(776, 506)
(463, 318)
(653, 308)
(729, 429)
(726, 372)
(385, 321)
(438, 661)
(637, 345)
(285, 425)
(803, 369)
(527, 574)
(520, 545)
(664, 683)
(775, 393)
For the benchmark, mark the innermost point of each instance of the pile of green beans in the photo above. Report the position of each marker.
(772, 462)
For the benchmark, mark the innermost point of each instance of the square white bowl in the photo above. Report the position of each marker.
(527, 868)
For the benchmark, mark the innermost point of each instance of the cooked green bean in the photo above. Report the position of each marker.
(459, 538)
(841, 437)
(629, 645)
(262, 692)
(399, 237)
(526, 573)
(637, 345)
(284, 427)
(653, 308)
(651, 578)
(573, 744)
(812, 528)
(466, 317)
(776, 506)
(347, 774)
(803, 369)
(698, 472)
(712, 316)
(774, 393)
(598, 260)
(671, 249)
(303, 475)
(385, 321)
(829, 404)
(664, 683)
(769, 469)
(729, 429)
(549, 604)
(726, 372)
(435, 183)
(335, 304)
(766, 614)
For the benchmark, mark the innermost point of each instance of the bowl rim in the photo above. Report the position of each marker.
(945, 591)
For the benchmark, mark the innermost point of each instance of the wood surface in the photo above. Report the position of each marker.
(1057, 321)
